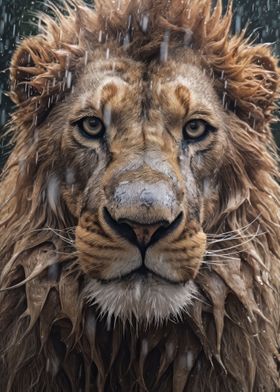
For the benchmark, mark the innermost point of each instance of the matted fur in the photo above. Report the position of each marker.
(50, 339)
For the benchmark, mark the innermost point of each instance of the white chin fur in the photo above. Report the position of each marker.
(149, 300)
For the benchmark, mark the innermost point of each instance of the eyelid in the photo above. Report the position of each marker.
(203, 120)
(203, 116)
(84, 114)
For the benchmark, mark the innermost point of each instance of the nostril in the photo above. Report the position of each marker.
(121, 228)
(139, 234)
(163, 231)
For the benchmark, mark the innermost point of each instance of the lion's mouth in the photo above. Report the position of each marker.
(141, 274)
(111, 252)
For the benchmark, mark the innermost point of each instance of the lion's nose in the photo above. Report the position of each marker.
(142, 212)
(143, 203)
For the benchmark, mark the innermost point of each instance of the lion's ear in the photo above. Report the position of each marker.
(29, 69)
(41, 73)
(35, 80)
(254, 84)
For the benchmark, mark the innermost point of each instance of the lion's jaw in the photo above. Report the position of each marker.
(139, 237)
(145, 299)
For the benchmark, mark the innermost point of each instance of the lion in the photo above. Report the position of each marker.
(140, 218)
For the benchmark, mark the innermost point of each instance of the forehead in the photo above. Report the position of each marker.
(150, 80)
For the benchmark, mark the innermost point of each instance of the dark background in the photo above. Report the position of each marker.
(17, 19)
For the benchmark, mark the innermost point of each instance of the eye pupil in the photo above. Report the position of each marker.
(193, 125)
(93, 122)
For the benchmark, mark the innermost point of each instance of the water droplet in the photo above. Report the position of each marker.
(107, 115)
(237, 23)
(69, 80)
(69, 176)
(144, 347)
(145, 22)
(189, 360)
(53, 192)
(164, 48)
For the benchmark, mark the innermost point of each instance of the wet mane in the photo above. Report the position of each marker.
(45, 322)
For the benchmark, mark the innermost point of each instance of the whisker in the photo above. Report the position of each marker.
(226, 255)
(68, 241)
(247, 236)
(53, 229)
(240, 229)
(241, 244)
(214, 262)
(63, 253)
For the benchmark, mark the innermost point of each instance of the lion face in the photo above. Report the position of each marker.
(143, 145)
(146, 142)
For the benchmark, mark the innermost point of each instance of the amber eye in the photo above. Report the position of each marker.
(91, 127)
(196, 130)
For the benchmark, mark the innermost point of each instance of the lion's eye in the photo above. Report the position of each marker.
(196, 130)
(91, 127)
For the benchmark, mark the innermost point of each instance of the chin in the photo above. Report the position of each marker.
(148, 300)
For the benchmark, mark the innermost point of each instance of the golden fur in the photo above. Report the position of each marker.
(53, 236)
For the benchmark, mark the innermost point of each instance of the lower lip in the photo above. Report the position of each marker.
(141, 273)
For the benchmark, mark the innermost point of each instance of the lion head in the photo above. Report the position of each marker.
(141, 191)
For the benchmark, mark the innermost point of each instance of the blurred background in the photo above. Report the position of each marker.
(17, 20)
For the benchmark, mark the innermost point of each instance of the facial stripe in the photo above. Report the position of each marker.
(183, 96)
(108, 92)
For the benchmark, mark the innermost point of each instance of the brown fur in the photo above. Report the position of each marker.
(50, 338)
